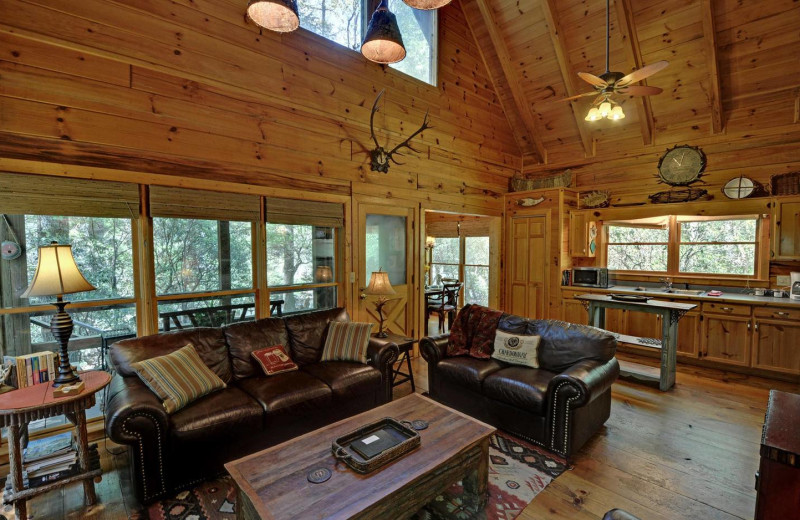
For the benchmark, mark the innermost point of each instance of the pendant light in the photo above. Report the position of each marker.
(275, 15)
(383, 42)
(426, 5)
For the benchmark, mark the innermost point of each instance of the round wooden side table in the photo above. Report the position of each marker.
(20, 407)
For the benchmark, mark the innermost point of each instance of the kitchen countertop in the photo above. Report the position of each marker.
(730, 297)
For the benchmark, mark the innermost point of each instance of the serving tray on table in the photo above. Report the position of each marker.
(404, 437)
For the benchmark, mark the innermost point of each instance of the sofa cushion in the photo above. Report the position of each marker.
(243, 338)
(178, 378)
(217, 413)
(566, 344)
(346, 341)
(346, 379)
(208, 342)
(288, 392)
(307, 333)
(522, 387)
(466, 371)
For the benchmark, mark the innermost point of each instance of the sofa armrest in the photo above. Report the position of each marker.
(434, 348)
(574, 388)
(381, 355)
(136, 417)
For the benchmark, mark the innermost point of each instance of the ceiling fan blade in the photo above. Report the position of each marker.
(644, 72)
(573, 98)
(592, 79)
(639, 90)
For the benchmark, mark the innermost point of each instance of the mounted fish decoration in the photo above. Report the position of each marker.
(528, 202)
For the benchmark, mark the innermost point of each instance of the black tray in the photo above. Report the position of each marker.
(636, 298)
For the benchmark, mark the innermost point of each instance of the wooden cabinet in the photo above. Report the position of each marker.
(776, 345)
(643, 325)
(787, 230)
(689, 335)
(582, 235)
(573, 311)
(726, 339)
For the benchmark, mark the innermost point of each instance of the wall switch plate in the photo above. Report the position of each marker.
(784, 281)
(353, 278)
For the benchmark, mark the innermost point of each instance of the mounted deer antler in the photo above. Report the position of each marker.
(379, 156)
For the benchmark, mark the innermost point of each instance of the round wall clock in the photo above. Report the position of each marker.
(682, 165)
(739, 188)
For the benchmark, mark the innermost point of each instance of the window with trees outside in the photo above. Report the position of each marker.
(345, 22)
(464, 259)
(684, 245)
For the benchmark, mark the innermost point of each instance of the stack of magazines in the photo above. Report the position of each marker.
(50, 458)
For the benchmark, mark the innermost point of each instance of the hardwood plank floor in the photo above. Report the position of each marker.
(688, 453)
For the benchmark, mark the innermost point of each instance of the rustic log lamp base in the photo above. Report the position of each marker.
(379, 307)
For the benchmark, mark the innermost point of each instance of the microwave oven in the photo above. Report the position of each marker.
(590, 277)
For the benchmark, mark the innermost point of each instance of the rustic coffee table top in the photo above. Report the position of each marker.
(275, 479)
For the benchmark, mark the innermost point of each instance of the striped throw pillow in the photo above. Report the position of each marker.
(178, 378)
(346, 341)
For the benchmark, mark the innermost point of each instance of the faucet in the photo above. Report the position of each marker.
(667, 284)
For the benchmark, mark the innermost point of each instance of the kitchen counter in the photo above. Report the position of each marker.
(766, 301)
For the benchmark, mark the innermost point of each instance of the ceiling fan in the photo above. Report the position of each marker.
(610, 83)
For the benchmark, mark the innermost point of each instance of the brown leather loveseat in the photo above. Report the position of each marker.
(170, 452)
(558, 406)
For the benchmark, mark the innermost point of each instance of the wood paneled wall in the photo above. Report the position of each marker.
(189, 88)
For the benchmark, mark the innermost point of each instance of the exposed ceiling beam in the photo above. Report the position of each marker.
(562, 56)
(511, 75)
(627, 28)
(715, 91)
(492, 63)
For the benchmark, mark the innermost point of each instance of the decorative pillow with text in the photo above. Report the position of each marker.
(274, 360)
(517, 349)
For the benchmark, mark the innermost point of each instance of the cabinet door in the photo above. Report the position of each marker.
(573, 311)
(787, 235)
(689, 335)
(777, 346)
(643, 325)
(615, 320)
(726, 339)
(578, 234)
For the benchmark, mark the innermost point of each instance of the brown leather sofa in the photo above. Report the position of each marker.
(558, 406)
(171, 452)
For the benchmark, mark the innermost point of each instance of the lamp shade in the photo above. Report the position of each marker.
(426, 5)
(323, 274)
(275, 15)
(57, 273)
(379, 284)
(383, 42)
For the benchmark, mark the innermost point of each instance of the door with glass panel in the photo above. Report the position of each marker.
(385, 240)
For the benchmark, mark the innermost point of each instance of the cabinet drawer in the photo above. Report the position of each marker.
(731, 309)
(775, 313)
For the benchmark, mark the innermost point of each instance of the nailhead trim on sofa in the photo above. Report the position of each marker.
(566, 419)
(141, 451)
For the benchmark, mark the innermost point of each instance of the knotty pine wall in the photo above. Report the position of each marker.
(188, 88)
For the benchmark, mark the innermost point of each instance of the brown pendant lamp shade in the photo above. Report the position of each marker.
(383, 42)
(426, 5)
(275, 15)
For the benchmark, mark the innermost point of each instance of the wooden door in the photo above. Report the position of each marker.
(527, 266)
(689, 335)
(386, 242)
(776, 346)
(726, 339)
(787, 235)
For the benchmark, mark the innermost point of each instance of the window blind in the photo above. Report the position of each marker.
(199, 204)
(449, 228)
(44, 195)
(304, 212)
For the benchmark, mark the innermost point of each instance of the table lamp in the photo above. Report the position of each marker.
(57, 275)
(379, 286)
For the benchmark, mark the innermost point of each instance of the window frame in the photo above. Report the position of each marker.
(760, 261)
(462, 265)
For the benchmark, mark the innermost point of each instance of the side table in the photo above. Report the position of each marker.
(404, 344)
(20, 407)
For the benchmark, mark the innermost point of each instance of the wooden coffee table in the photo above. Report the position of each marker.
(273, 484)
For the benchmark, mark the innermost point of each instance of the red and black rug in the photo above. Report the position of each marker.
(518, 471)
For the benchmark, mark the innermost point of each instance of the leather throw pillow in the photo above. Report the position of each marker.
(347, 341)
(517, 349)
(274, 360)
(178, 378)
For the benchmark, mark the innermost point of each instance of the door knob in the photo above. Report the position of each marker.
(363, 296)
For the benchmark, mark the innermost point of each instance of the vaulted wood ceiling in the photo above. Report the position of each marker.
(734, 66)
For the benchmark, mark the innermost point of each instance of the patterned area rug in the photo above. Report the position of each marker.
(518, 471)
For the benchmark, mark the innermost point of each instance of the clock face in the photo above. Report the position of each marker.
(681, 165)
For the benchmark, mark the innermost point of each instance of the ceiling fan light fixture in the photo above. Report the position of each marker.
(426, 5)
(593, 115)
(275, 15)
(383, 42)
(605, 109)
(616, 113)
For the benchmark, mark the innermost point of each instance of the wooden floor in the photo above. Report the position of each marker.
(688, 453)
